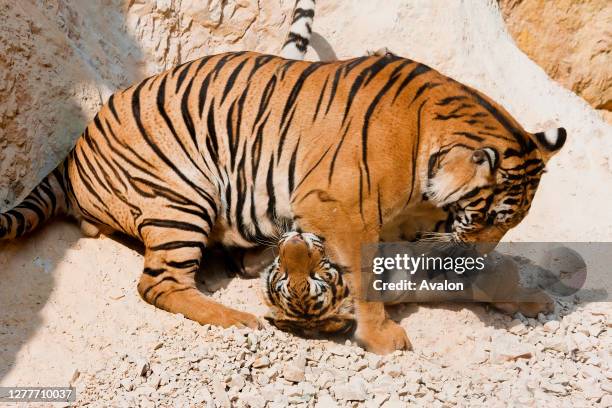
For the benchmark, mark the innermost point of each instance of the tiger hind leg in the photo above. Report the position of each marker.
(168, 282)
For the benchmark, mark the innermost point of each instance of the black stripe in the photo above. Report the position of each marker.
(93, 145)
(172, 224)
(318, 107)
(313, 167)
(292, 167)
(301, 43)
(240, 201)
(254, 217)
(271, 211)
(423, 88)
(256, 149)
(60, 181)
(332, 94)
(164, 279)
(161, 101)
(118, 153)
(157, 150)
(333, 162)
(111, 106)
(183, 75)
(450, 99)
(350, 65)
(260, 61)
(561, 137)
(184, 264)
(212, 133)
(283, 135)
(34, 208)
(495, 135)
(49, 192)
(241, 101)
(221, 63)
(361, 192)
(297, 87)
(470, 136)
(366, 124)
(232, 79)
(168, 246)
(516, 133)
(415, 151)
(203, 93)
(169, 292)
(418, 70)
(229, 126)
(84, 178)
(299, 13)
(187, 115)
(265, 100)
(153, 272)
(367, 74)
(20, 220)
(94, 171)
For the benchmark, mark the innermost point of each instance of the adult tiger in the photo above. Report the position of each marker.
(234, 147)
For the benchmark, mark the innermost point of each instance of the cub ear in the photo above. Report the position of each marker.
(550, 142)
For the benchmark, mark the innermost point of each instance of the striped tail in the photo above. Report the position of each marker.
(49, 198)
(300, 30)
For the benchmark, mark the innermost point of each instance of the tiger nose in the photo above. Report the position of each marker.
(294, 250)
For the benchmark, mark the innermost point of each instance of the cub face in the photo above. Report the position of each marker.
(305, 291)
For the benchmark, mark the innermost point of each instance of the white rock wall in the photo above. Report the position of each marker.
(61, 59)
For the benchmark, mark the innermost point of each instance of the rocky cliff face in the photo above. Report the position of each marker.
(571, 40)
(61, 59)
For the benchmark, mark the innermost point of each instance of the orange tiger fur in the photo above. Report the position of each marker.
(234, 147)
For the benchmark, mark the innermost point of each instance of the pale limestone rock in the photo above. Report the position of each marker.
(571, 40)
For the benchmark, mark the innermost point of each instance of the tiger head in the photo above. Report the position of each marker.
(306, 293)
(484, 169)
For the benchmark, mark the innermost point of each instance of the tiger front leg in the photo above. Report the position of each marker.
(344, 232)
(375, 331)
(168, 282)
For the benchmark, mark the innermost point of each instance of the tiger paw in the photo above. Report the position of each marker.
(384, 339)
(241, 319)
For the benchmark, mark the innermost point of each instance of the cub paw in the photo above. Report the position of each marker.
(544, 304)
(385, 339)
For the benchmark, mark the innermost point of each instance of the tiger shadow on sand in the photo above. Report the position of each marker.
(27, 267)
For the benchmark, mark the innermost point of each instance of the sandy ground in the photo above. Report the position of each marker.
(71, 314)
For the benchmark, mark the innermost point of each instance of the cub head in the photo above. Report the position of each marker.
(484, 169)
(306, 293)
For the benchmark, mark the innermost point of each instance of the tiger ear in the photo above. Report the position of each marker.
(486, 155)
(550, 142)
(459, 171)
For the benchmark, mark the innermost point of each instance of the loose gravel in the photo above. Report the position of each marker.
(560, 360)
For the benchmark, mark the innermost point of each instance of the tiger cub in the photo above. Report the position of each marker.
(305, 291)
(307, 294)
